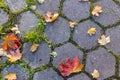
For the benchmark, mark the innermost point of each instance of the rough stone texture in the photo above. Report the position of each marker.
(101, 60)
(3, 16)
(66, 51)
(114, 34)
(76, 10)
(15, 5)
(59, 31)
(28, 21)
(48, 5)
(110, 14)
(81, 76)
(21, 73)
(48, 74)
(40, 57)
(82, 38)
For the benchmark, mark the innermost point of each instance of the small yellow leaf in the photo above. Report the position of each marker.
(72, 24)
(95, 74)
(97, 10)
(51, 17)
(92, 31)
(34, 47)
(11, 76)
(104, 40)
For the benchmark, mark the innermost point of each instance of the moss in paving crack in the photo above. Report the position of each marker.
(30, 2)
(117, 2)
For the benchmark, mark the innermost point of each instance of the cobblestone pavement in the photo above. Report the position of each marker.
(67, 42)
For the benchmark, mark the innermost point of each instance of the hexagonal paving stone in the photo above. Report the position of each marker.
(59, 31)
(66, 51)
(21, 73)
(101, 60)
(110, 14)
(81, 76)
(76, 10)
(28, 21)
(15, 5)
(3, 16)
(48, 5)
(82, 38)
(114, 34)
(48, 74)
(38, 58)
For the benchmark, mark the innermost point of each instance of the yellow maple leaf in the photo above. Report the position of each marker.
(34, 47)
(97, 10)
(92, 31)
(104, 40)
(95, 74)
(72, 24)
(11, 76)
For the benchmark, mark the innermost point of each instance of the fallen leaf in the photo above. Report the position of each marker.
(33, 7)
(2, 52)
(84, 0)
(11, 76)
(15, 30)
(41, 1)
(104, 40)
(54, 54)
(71, 66)
(11, 42)
(34, 47)
(50, 17)
(97, 10)
(14, 55)
(95, 74)
(73, 24)
(91, 31)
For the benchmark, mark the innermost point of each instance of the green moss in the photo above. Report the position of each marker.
(30, 2)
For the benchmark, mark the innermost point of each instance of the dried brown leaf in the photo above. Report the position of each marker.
(95, 74)
(72, 24)
(34, 47)
(97, 10)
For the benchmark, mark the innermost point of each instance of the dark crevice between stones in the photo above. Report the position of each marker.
(80, 21)
(89, 75)
(117, 2)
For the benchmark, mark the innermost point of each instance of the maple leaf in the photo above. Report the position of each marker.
(91, 31)
(11, 76)
(14, 55)
(95, 74)
(50, 17)
(97, 10)
(11, 42)
(34, 47)
(71, 66)
(73, 24)
(104, 40)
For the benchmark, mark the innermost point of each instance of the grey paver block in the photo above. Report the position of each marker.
(114, 34)
(48, 74)
(82, 38)
(101, 60)
(59, 31)
(81, 76)
(76, 10)
(40, 57)
(3, 16)
(110, 14)
(28, 21)
(48, 5)
(66, 51)
(21, 73)
(15, 5)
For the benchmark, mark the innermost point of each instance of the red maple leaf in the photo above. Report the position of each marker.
(71, 66)
(11, 42)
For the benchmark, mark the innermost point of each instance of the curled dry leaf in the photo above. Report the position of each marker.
(104, 40)
(97, 10)
(95, 74)
(73, 24)
(11, 76)
(84, 0)
(92, 31)
(51, 17)
(34, 47)
(71, 66)
(15, 30)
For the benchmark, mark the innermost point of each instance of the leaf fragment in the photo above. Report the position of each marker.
(34, 47)
(51, 17)
(84, 0)
(11, 76)
(54, 54)
(41, 1)
(2, 52)
(72, 24)
(103, 40)
(15, 30)
(92, 31)
(95, 74)
(97, 10)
